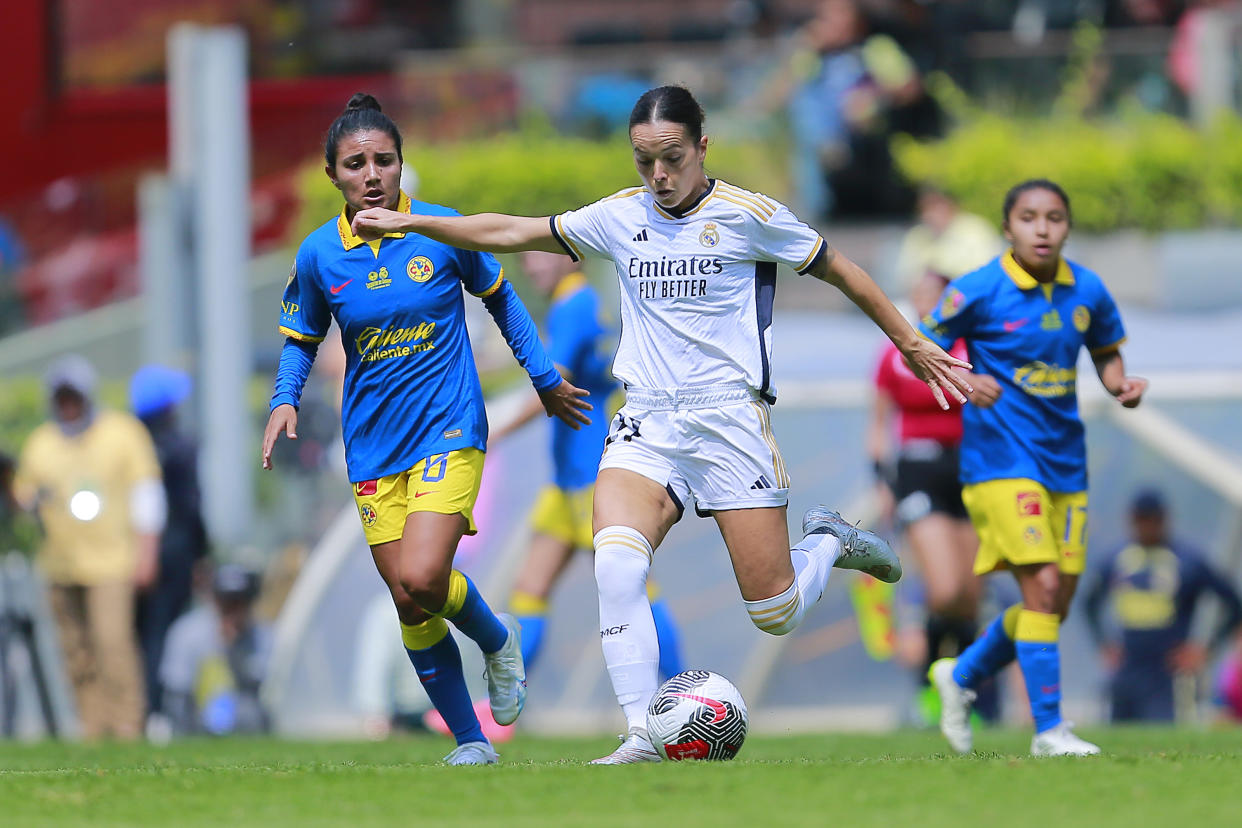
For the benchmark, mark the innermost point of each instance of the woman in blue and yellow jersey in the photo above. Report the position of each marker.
(412, 415)
(1025, 317)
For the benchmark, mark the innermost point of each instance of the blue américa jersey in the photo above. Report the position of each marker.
(411, 386)
(1027, 336)
(579, 342)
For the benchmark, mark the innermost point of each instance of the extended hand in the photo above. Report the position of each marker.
(936, 368)
(1188, 658)
(987, 390)
(283, 418)
(374, 222)
(1130, 394)
(567, 402)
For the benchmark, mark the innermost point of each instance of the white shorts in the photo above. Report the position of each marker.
(714, 444)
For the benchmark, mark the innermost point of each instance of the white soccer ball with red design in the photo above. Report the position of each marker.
(697, 714)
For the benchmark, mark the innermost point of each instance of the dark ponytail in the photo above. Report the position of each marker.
(361, 114)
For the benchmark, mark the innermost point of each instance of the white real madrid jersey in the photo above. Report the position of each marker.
(697, 285)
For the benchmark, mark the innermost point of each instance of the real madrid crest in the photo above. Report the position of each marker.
(710, 237)
(420, 268)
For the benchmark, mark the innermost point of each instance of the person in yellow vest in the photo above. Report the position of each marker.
(92, 477)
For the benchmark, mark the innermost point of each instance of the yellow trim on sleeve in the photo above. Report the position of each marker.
(298, 335)
(560, 229)
(814, 252)
(425, 635)
(524, 603)
(495, 286)
(1042, 627)
(570, 284)
(1104, 349)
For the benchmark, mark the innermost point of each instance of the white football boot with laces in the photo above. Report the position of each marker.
(1061, 741)
(860, 549)
(955, 702)
(472, 753)
(506, 674)
(635, 747)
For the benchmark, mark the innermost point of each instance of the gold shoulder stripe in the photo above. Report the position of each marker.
(298, 335)
(751, 198)
(632, 191)
(745, 205)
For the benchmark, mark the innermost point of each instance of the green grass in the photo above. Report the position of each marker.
(1180, 778)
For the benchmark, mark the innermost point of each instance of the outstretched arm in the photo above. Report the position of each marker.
(1111, 369)
(493, 232)
(926, 359)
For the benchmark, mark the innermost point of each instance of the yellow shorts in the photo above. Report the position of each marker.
(1020, 522)
(444, 483)
(565, 514)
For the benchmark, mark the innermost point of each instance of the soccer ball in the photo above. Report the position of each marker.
(697, 714)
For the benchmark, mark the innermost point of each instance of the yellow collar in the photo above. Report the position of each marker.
(349, 241)
(570, 284)
(1026, 281)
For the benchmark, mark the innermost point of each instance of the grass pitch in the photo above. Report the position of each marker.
(1147, 776)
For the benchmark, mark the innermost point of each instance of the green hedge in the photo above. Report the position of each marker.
(1132, 169)
(535, 172)
(1144, 170)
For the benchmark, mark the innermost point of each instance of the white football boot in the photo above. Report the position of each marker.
(955, 702)
(1061, 741)
(472, 753)
(506, 674)
(635, 747)
(860, 549)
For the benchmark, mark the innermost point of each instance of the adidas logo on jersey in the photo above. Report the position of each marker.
(641, 236)
(762, 483)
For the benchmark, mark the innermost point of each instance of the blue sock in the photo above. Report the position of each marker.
(990, 652)
(1040, 660)
(532, 637)
(436, 659)
(469, 613)
(668, 638)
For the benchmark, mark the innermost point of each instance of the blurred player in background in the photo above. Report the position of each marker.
(1025, 316)
(1156, 584)
(581, 348)
(920, 471)
(413, 417)
(697, 259)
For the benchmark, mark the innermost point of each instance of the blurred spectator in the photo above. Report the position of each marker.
(93, 478)
(947, 242)
(856, 89)
(215, 659)
(1187, 45)
(1156, 584)
(155, 392)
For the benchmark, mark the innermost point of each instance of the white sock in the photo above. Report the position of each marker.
(812, 559)
(627, 630)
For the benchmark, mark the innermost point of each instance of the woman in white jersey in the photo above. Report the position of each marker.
(696, 258)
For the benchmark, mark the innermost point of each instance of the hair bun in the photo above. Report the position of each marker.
(361, 100)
